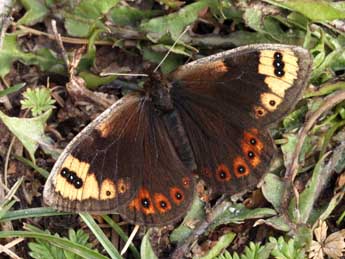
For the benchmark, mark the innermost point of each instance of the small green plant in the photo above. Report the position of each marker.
(41, 249)
(37, 100)
(276, 248)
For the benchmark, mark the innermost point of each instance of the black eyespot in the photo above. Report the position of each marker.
(64, 172)
(241, 169)
(260, 112)
(278, 64)
(108, 193)
(78, 183)
(272, 102)
(279, 72)
(178, 195)
(251, 154)
(72, 176)
(278, 56)
(253, 141)
(145, 202)
(163, 204)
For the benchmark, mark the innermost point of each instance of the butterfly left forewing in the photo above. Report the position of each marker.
(94, 173)
(125, 163)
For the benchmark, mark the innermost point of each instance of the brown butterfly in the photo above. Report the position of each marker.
(209, 118)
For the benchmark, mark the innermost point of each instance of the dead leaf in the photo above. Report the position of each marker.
(332, 246)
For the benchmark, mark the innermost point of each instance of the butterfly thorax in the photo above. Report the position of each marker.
(158, 91)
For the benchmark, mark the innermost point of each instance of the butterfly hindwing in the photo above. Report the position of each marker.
(226, 102)
(167, 186)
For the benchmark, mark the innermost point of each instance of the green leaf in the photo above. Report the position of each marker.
(254, 19)
(37, 100)
(101, 237)
(295, 118)
(7, 202)
(93, 81)
(11, 52)
(311, 192)
(57, 241)
(276, 222)
(286, 250)
(36, 12)
(316, 10)
(272, 189)
(169, 64)
(146, 250)
(11, 89)
(195, 214)
(31, 213)
(86, 16)
(30, 132)
(257, 251)
(122, 234)
(235, 213)
(223, 242)
(79, 237)
(174, 23)
(127, 15)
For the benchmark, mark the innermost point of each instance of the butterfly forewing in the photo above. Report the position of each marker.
(92, 173)
(226, 102)
(260, 81)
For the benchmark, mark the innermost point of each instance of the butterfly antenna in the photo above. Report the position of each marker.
(167, 54)
(130, 239)
(120, 74)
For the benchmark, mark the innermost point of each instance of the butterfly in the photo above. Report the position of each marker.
(208, 119)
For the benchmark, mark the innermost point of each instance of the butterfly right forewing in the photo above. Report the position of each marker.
(226, 102)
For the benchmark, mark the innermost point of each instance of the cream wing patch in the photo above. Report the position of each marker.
(75, 182)
(281, 69)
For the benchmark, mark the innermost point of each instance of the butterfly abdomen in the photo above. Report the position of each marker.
(179, 138)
